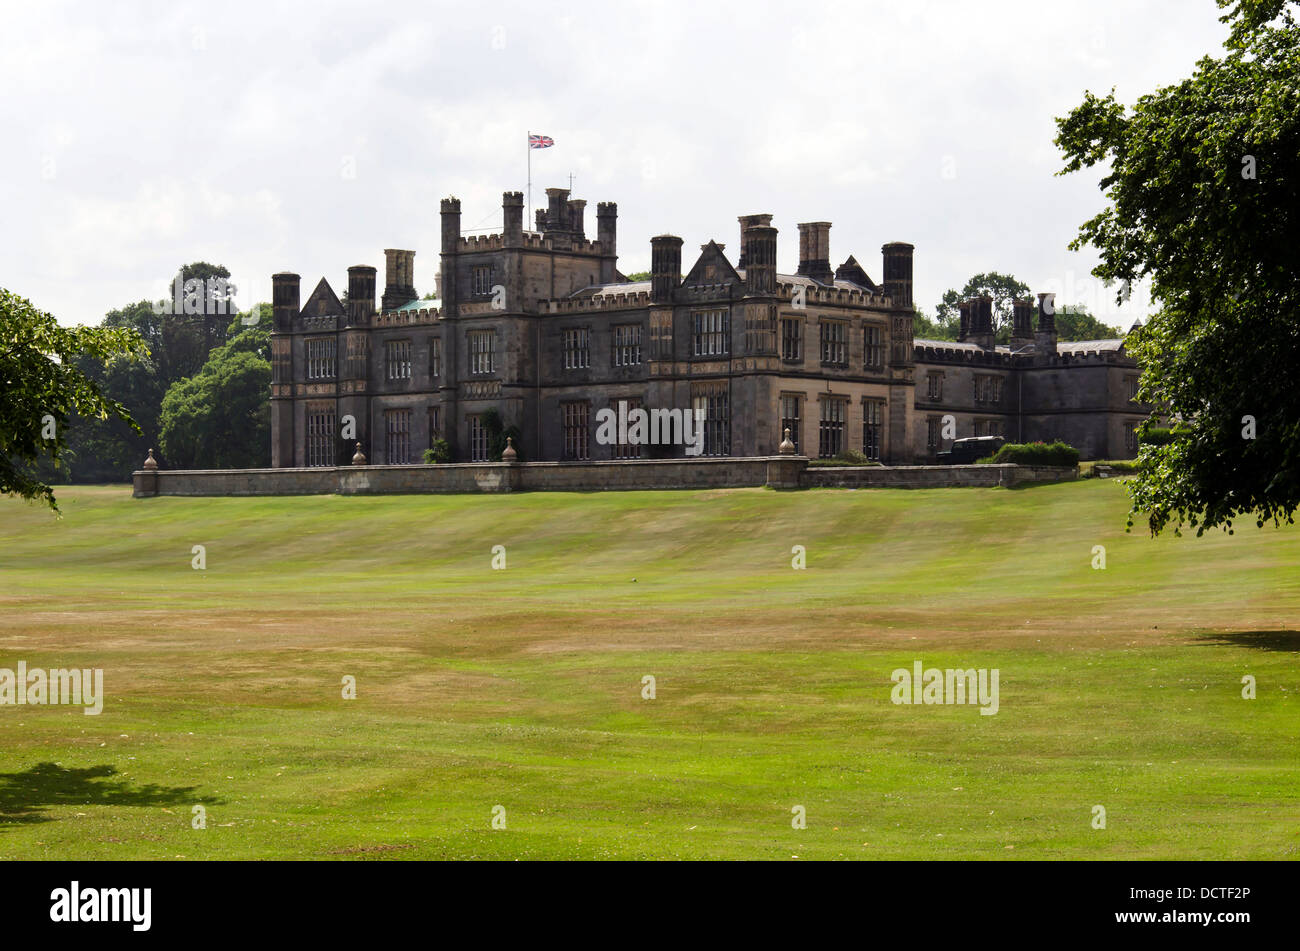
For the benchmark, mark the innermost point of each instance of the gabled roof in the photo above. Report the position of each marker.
(712, 267)
(852, 271)
(323, 302)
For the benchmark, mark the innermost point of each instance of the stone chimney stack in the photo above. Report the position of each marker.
(512, 212)
(450, 225)
(577, 208)
(1022, 325)
(759, 254)
(665, 267)
(1045, 335)
(361, 295)
(963, 331)
(815, 251)
(897, 278)
(747, 222)
(399, 280)
(285, 301)
(607, 235)
(981, 315)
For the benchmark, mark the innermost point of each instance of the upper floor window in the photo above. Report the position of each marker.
(835, 342)
(627, 345)
(710, 333)
(934, 386)
(1131, 387)
(482, 280)
(397, 359)
(482, 351)
(988, 389)
(435, 357)
(874, 352)
(322, 358)
(791, 339)
(577, 348)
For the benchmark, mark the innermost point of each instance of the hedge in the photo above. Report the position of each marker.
(1036, 454)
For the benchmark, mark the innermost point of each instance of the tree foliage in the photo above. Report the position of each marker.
(43, 385)
(1202, 181)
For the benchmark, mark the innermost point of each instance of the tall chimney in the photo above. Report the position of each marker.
(1045, 335)
(607, 235)
(815, 251)
(361, 295)
(964, 331)
(577, 208)
(1022, 327)
(665, 267)
(399, 286)
(981, 321)
(450, 225)
(747, 222)
(897, 279)
(759, 242)
(512, 213)
(285, 301)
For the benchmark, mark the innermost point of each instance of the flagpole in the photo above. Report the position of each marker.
(529, 143)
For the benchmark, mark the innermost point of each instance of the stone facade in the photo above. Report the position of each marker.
(541, 327)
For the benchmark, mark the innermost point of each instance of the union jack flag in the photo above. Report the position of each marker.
(540, 141)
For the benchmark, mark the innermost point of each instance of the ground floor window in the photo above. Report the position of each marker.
(1131, 436)
(321, 426)
(713, 400)
(478, 440)
(397, 429)
(574, 418)
(873, 428)
(790, 419)
(933, 432)
(831, 431)
(627, 450)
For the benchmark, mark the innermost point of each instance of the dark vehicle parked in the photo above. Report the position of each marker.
(971, 449)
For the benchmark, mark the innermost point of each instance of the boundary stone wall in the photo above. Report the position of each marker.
(780, 472)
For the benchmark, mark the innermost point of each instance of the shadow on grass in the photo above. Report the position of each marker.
(1285, 641)
(25, 795)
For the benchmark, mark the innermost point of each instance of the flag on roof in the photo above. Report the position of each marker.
(540, 141)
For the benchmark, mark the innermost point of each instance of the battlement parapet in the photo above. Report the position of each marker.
(599, 302)
(406, 318)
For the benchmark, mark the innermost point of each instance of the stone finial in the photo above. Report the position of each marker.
(787, 447)
(359, 457)
(508, 454)
(151, 462)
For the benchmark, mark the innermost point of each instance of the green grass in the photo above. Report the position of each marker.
(1119, 687)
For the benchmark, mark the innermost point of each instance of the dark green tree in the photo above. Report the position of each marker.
(42, 386)
(1003, 288)
(1202, 182)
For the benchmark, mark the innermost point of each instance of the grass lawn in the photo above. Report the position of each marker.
(523, 687)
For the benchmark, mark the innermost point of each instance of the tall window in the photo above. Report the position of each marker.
(478, 440)
(873, 428)
(627, 450)
(791, 339)
(435, 357)
(874, 354)
(435, 424)
(321, 426)
(988, 389)
(988, 427)
(573, 418)
(322, 358)
(933, 432)
(1131, 436)
(790, 418)
(1131, 385)
(577, 348)
(713, 400)
(397, 358)
(482, 351)
(934, 386)
(397, 427)
(835, 342)
(710, 333)
(482, 280)
(627, 345)
(831, 432)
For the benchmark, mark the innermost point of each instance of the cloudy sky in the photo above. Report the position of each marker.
(271, 137)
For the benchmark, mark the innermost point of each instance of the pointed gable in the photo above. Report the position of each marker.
(323, 302)
(852, 272)
(712, 267)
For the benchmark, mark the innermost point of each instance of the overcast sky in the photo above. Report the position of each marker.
(310, 137)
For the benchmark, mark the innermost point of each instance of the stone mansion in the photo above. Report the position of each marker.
(542, 327)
